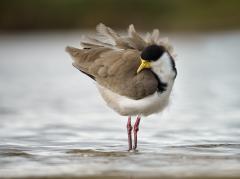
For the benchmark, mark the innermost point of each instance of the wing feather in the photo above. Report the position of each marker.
(135, 39)
(112, 60)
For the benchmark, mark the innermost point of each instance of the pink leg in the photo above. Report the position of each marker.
(135, 130)
(129, 131)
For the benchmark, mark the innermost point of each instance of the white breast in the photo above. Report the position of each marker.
(128, 107)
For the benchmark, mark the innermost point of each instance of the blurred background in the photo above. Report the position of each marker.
(54, 124)
(167, 15)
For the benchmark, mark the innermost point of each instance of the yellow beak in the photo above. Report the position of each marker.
(144, 64)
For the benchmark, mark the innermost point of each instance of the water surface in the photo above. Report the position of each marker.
(54, 123)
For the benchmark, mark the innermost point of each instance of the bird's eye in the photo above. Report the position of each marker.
(152, 52)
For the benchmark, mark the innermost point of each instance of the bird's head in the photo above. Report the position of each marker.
(150, 55)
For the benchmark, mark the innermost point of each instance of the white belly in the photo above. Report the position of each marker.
(128, 107)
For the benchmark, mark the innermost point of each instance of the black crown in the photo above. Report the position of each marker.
(152, 52)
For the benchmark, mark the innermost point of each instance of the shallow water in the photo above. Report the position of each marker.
(54, 123)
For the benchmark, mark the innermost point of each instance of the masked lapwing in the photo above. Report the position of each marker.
(133, 74)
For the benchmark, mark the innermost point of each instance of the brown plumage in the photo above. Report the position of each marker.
(115, 70)
(114, 64)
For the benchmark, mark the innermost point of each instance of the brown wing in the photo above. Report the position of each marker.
(115, 70)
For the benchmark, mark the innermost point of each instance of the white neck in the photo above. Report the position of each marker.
(163, 68)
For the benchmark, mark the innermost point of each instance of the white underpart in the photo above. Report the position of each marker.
(151, 104)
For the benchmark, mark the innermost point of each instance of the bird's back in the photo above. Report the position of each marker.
(113, 60)
(115, 70)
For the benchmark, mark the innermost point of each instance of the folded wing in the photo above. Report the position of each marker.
(112, 60)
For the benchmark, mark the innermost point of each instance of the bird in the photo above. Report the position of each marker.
(134, 74)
